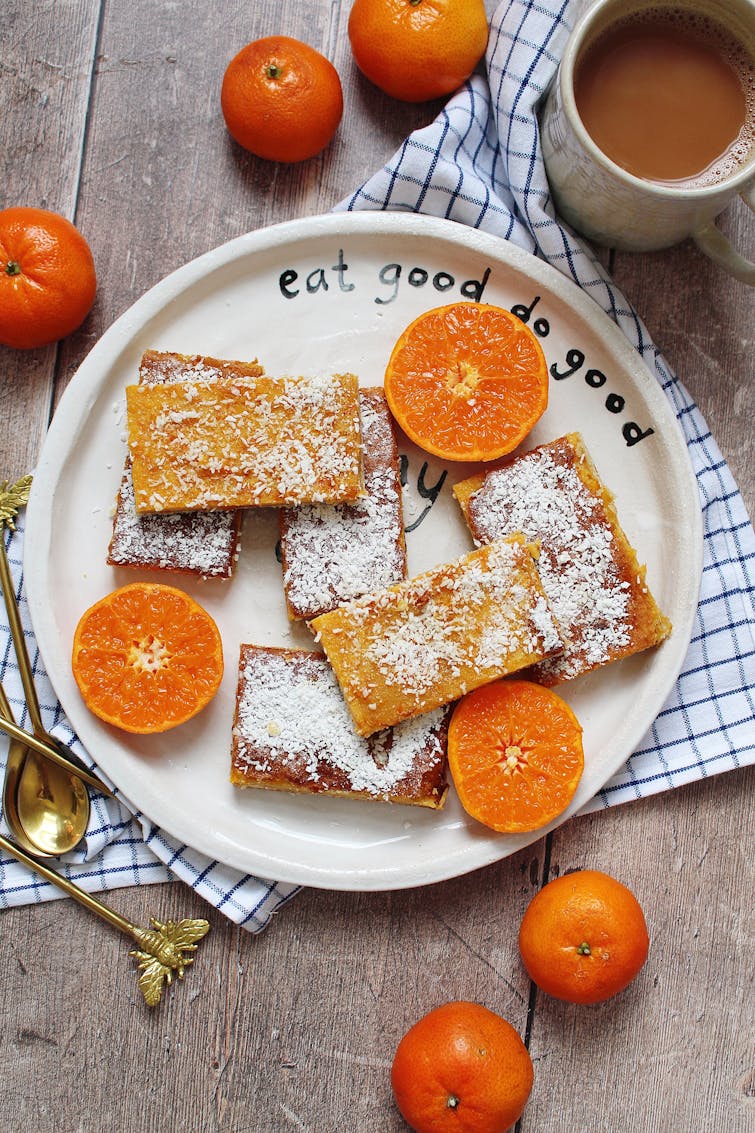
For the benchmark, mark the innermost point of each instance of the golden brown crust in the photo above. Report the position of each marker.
(589, 570)
(160, 366)
(427, 641)
(292, 732)
(241, 441)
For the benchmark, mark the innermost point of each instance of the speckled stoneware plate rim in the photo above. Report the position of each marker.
(333, 293)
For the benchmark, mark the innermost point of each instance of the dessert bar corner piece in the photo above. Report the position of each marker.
(293, 732)
(201, 543)
(251, 442)
(427, 641)
(589, 570)
(334, 552)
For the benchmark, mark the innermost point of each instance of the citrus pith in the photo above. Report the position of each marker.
(467, 381)
(147, 657)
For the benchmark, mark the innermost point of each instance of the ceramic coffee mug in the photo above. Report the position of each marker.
(612, 206)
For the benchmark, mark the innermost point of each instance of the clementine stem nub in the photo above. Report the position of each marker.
(47, 282)
(605, 916)
(281, 99)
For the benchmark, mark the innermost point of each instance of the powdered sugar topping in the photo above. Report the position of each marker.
(333, 553)
(542, 495)
(291, 720)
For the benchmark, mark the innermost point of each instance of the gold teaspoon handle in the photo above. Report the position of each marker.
(5, 709)
(10, 500)
(19, 642)
(12, 729)
(164, 950)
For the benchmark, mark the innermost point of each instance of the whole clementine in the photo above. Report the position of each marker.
(461, 1068)
(415, 50)
(47, 277)
(583, 937)
(281, 99)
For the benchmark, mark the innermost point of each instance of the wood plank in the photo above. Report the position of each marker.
(46, 81)
(295, 1030)
(702, 322)
(674, 1044)
(298, 1025)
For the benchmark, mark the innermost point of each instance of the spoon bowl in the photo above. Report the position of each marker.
(14, 763)
(52, 806)
(51, 800)
(45, 807)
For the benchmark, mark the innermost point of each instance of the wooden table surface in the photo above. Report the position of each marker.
(110, 115)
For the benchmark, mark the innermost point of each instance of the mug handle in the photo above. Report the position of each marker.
(714, 244)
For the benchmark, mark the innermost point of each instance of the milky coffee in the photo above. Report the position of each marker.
(669, 95)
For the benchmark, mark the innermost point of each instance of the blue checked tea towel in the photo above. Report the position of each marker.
(479, 164)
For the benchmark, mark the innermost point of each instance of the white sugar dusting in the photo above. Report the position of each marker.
(206, 543)
(443, 628)
(333, 553)
(203, 543)
(542, 495)
(486, 620)
(291, 718)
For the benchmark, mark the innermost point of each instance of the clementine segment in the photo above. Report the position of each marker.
(47, 277)
(147, 657)
(416, 50)
(461, 1069)
(467, 381)
(583, 937)
(281, 99)
(515, 755)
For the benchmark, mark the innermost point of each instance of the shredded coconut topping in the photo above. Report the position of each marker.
(203, 543)
(332, 553)
(543, 495)
(261, 441)
(423, 642)
(292, 726)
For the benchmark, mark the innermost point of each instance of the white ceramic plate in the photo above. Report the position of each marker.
(333, 293)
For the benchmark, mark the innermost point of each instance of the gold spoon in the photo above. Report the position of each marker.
(68, 762)
(163, 951)
(58, 811)
(44, 806)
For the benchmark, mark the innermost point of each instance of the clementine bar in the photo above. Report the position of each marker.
(245, 442)
(589, 570)
(425, 642)
(203, 543)
(332, 553)
(293, 732)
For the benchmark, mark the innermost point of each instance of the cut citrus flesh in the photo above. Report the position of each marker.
(515, 755)
(467, 381)
(147, 657)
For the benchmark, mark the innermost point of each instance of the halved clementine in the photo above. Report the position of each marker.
(467, 381)
(147, 657)
(515, 755)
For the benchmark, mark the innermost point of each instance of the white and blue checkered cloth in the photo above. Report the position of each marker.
(479, 164)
